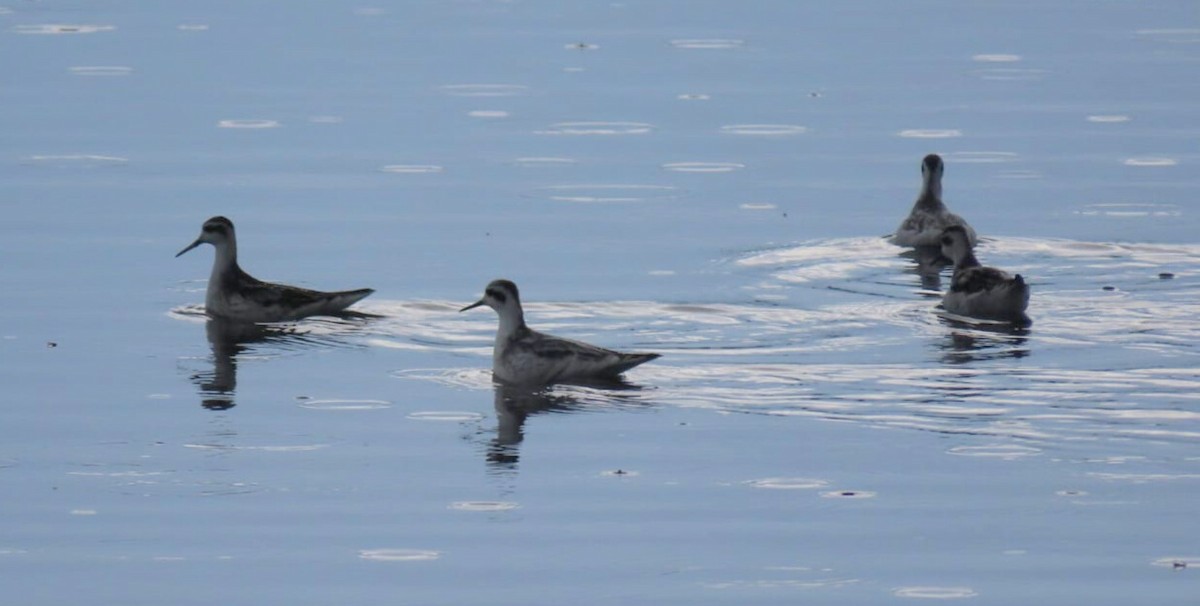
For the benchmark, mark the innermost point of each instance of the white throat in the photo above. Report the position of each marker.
(512, 319)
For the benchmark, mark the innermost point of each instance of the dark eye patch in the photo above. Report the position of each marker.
(947, 240)
(495, 294)
(212, 227)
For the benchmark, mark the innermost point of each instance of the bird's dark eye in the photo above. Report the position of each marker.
(495, 294)
(212, 228)
(947, 241)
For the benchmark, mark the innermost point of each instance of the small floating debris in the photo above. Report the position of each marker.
(1109, 288)
(583, 46)
(1166, 275)
(620, 473)
(848, 494)
(1177, 562)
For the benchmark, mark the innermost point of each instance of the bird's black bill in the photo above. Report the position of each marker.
(472, 306)
(190, 246)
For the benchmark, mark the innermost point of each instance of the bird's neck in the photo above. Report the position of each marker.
(931, 194)
(966, 260)
(512, 322)
(224, 262)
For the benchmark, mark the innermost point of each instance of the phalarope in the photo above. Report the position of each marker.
(234, 294)
(981, 292)
(525, 356)
(929, 215)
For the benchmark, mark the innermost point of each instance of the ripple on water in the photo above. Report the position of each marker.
(1150, 161)
(788, 483)
(61, 29)
(252, 123)
(764, 130)
(488, 113)
(996, 58)
(465, 378)
(1011, 74)
(543, 161)
(703, 167)
(693, 97)
(1007, 452)
(708, 43)
(485, 90)
(930, 133)
(77, 161)
(1174, 35)
(259, 448)
(444, 416)
(100, 70)
(1130, 210)
(345, 405)
(596, 128)
(399, 555)
(1177, 562)
(980, 157)
(1108, 118)
(934, 593)
(608, 193)
(411, 169)
(484, 505)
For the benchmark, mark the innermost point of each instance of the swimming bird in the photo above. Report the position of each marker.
(929, 215)
(525, 356)
(981, 292)
(234, 294)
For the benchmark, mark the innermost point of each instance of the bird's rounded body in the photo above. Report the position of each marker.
(981, 292)
(236, 295)
(525, 356)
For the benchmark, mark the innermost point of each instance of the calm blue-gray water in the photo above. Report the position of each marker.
(705, 179)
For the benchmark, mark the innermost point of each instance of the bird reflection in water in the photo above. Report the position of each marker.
(231, 339)
(516, 403)
(969, 342)
(929, 265)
